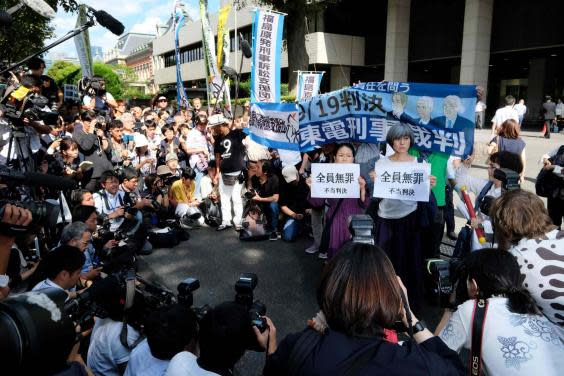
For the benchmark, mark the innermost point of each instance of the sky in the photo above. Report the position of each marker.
(139, 16)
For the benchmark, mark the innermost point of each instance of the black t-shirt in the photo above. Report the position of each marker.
(268, 189)
(294, 196)
(49, 88)
(232, 151)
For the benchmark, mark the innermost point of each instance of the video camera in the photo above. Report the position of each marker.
(32, 106)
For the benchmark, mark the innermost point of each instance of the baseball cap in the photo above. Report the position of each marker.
(290, 173)
(163, 170)
(171, 156)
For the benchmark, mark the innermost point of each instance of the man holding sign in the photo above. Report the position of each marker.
(339, 186)
(406, 207)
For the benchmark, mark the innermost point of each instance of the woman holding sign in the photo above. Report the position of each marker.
(405, 207)
(336, 229)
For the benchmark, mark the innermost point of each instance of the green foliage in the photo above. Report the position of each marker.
(245, 88)
(68, 73)
(135, 93)
(29, 30)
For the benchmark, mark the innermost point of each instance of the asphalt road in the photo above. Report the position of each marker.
(287, 275)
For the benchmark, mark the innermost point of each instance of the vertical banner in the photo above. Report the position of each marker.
(222, 35)
(181, 98)
(308, 85)
(82, 43)
(267, 47)
(208, 42)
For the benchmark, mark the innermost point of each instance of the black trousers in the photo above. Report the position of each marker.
(449, 209)
(555, 208)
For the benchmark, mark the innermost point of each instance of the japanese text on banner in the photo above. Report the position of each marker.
(402, 181)
(335, 180)
(441, 116)
(275, 125)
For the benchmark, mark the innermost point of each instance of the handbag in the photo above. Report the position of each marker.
(326, 234)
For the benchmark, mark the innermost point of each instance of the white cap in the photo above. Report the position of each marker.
(217, 119)
(140, 140)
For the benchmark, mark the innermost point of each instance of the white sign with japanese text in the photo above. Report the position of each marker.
(402, 181)
(335, 180)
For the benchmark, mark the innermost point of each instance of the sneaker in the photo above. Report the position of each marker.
(222, 227)
(238, 227)
(273, 236)
(322, 256)
(311, 249)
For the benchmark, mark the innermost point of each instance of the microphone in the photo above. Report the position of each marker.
(245, 47)
(109, 22)
(229, 72)
(8, 176)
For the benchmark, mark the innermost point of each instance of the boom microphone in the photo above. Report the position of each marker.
(229, 72)
(34, 178)
(245, 47)
(109, 22)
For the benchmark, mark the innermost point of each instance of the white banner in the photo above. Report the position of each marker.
(402, 181)
(267, 47)
(335, 180)
(275, 125)
(308, 85)
(82, 43)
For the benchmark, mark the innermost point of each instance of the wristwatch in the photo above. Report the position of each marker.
(419, 327)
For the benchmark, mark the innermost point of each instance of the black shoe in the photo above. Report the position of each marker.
(273, 236)
(452, 235)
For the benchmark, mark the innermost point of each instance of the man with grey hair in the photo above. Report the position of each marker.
(452, 121)
(128, 121)
(424, 108)
(78, 235)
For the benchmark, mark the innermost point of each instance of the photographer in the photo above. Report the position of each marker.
(49, 88)
(96, 244)
(483, 189)
(157, 191)
(169, 330)
(263, 189)
(77, 234)
(97, 98)
(62, 267)
(107, 355)
(11, 216)
(515, 337)
(121, 156)
(182, 197)
(23, 262)
(359, 295)
(523, 228)
(93, 144)
(225, 335)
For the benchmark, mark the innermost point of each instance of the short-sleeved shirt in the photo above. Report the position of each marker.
(505, 113)
(268, 189)
(180, 193)
(143, 363)
(512, 343)
(186, 364)
(232, 151)
(106, 351)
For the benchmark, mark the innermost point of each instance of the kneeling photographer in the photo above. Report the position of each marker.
(360, 296)
(116, 213)
(504, 171)
(499, 322)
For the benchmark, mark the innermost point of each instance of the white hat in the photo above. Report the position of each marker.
(217, 119)
(140, 140)
(290, 173)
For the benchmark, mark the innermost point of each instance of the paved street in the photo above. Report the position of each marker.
(287, 276)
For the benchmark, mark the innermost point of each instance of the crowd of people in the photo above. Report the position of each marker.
(145, 175)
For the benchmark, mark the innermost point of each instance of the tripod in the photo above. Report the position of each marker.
(19, 142)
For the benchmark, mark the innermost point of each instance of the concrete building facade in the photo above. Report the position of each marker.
(497, 44)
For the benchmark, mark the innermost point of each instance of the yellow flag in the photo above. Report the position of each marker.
(221, 30)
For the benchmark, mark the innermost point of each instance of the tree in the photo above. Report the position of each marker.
(29, 30)
(295, 27)
(68, 73)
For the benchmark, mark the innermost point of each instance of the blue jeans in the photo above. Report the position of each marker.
(197, 181)
(291, 229)
(272, 211)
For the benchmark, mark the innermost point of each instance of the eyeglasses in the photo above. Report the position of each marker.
(85, 242)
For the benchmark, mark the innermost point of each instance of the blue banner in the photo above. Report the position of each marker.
(275, 125)
(441, 116)
(181, 98)
(265, 62)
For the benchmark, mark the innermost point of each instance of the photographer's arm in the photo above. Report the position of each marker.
(273, 198)
(12, 215)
